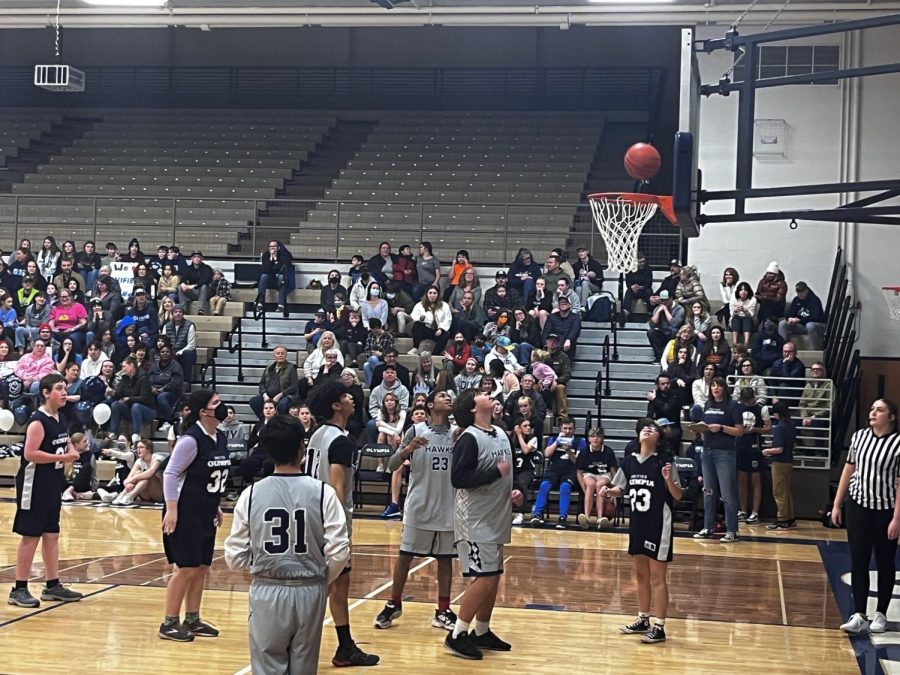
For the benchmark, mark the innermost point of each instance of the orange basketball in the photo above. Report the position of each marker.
(609, 508)
(642, 161)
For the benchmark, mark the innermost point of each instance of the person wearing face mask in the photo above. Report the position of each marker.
(374, 307)
(359, 289)
(193, 483)
(330, 291)
(351, 334)
(400, 306)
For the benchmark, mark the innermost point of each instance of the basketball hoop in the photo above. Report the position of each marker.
(620, 217)
(892, 297)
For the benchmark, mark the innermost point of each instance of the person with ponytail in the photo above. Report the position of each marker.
(194, 480)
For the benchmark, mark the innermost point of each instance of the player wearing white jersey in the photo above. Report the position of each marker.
(290, 531)
(330, 457)
(428, 513)
(481, 472)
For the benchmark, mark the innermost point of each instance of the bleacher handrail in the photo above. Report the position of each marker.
(238, 346)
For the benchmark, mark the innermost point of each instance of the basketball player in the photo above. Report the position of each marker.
(428, 515)
(330, 458)
(290, 531)
(193, 482)
(39, 485)
(652, 486)
(481, 472)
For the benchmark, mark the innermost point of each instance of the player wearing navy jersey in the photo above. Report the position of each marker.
(290, 531)
(596, 465)
(193, 482)
(428, 514)
(757, 421)
(481, 472)
(39, 485)
(330, 457)
(652, 485)
(561, 452)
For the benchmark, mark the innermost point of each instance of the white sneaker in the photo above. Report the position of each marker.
(84, 495)
(519, 519)
(856, 624)
(603, 523)
(878, 624)
(124, 499)
(164, 429)
(413, 351)
(729, 538)
(135, 438)
(105, 496)
(69, 494)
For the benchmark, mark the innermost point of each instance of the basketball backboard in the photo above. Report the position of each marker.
(685, 174)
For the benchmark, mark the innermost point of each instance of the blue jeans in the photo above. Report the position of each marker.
(282, 407)
(523, 353)
(165, 405)
(720, 477)
(369, 369)
(25, 335)
(90, 276)
(267, 281)
(140, 415)
(372, 431)
(187, 359)
(543, 496)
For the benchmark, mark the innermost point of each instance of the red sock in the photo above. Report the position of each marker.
(443, 602)
(396, 599)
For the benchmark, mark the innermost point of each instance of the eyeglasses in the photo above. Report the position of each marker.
(652, 430)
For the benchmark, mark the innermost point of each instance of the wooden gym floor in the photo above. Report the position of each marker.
(769, 604)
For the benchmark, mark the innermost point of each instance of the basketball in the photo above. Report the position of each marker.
(642, 161)
(609, 508)
(517, 498)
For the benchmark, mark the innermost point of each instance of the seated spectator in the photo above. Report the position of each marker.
(683, 338)
(144, 481)
(522, 408)
(168, 284)
(498, 325)
(94, 361)
(257, 455)
(133, 398)
(669, 284)
(73, 382)
(278, 383)
(389, 385)
(562, 366)
(689, 289)
(767, 346)
(112, 255)
(425, 376)
(468, 283)
(274, 273)
(66, 355)
(400, 306)
(133, 254)
(331, 369)
(682, 373)
(36, 315)
(525, 455)
(195, 283)
(143, 278)
(664, 323)
(596, 466)
(69, 319)
(458, 352)
(727, 291)
(167, 385)
(182, 333)
(99, 320)
(747, 379)
(638, 286)
(588, 276)
(541, 302)
(390, 361)
(110, 299)
(525, 334)
(469, 318)
(219, 292)
(501, 295)
(469, 377)
(497, 419)
(431, 321)
(522, 275)
(66, 274)
(88, 263)
(146, 318)
(390, 420)
(665, 403)
(743, 309)
(460, 265)
(357, 266)
(356, 423)
(716, 351)
(166, 308)
(360, 289)
(315, 327)
(505, 382)
(236, 439)
(316, 359)
(544, 376)
(84, 478)
(52, 295)
(565, 324)
(700, 321)
(25, 296)
(381, 265)
(700, 386)
(785, 376)
(561, 452)
(18, 268)
(771, 292)
(9, 320)
(444, 382)
(374, 306)
(738, 354)
(564, 289)
(378, 343)
(405, 269)
(330, 291)
(553, 271)
(351, 334)
(816, 401)
(805, 316)
(501, 351)
(528, 389)
(156, 264)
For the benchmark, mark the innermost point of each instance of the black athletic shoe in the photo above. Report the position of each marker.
(642, 625)
(175, 632)
(387, 615)
(60, 593)
(20, 597)
(490, 641)
(200, 628)
(444, 618)
(537, 520)
(562, 524)
(777, 525)
(655, 634)
(352, 656)
(463, 647)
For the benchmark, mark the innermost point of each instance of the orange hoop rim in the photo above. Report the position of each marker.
(663, 201)
(895, 289)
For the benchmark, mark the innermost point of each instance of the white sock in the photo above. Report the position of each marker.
(460, 627)
(481, 627)
(644, 615)
(660, 622)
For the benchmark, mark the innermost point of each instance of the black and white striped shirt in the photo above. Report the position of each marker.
(877, 460)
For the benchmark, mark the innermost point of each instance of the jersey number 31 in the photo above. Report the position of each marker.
(281, 537)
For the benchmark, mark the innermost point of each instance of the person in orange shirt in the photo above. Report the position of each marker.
(460, 265)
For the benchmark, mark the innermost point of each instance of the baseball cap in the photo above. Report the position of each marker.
(499, 274)
(801, 286)
(44, 326)
(96, 301)
(564, 299)
(664, 295)
(674, 262)
(196, 252)
(664, 422)
(321, 311)
(553, 336)
(140, 291)
(28, 279)
(503, 341)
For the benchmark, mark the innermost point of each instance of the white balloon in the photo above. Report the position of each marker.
(6, 420)
(102, 413)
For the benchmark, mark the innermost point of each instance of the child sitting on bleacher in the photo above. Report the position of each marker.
(124, 456)
(84, 475)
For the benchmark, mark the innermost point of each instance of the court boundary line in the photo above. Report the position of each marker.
(784, 621)
(246, 670)
(127, 569)
(55, 606)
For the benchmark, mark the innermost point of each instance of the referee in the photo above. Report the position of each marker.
(870, 476)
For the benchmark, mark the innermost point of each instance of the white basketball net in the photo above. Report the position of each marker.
(892, 296)
(621, 222)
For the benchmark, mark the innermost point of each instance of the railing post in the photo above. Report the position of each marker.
(337, 231)
(265, 341)
(614, 325)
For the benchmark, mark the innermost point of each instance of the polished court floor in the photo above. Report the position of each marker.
(769, 604)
